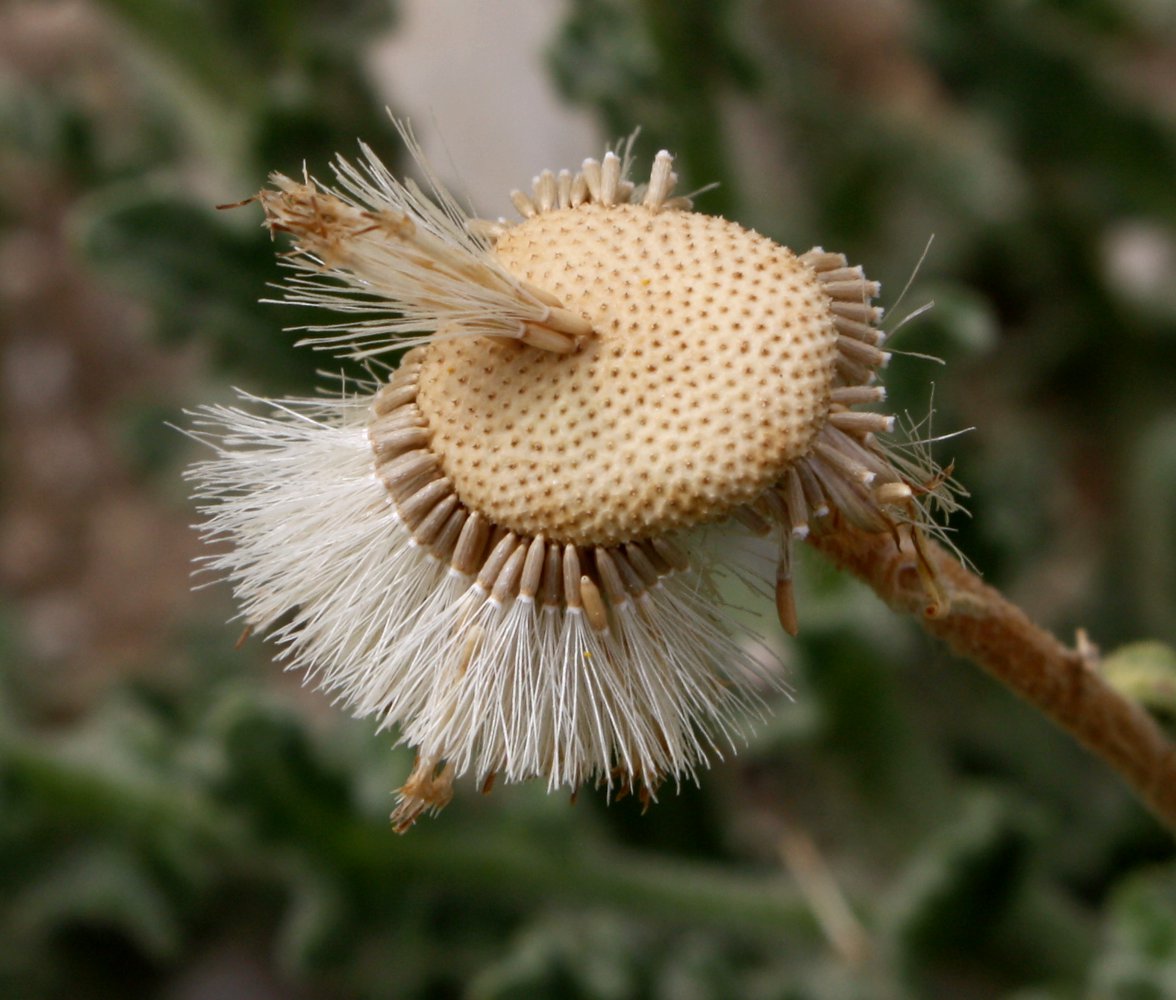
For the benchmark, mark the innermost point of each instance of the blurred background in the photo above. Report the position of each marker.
(180, 819)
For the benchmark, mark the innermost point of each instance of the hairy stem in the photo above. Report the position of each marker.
(978, 622)
(362, 850)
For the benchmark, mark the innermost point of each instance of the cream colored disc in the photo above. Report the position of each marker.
(709, 373)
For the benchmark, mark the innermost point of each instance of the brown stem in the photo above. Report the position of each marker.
(979, 623)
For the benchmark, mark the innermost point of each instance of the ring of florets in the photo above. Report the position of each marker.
(838, 465)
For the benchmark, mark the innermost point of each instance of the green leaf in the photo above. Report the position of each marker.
(103, 885)
(1145, 672)
(202, 278)
(1139, 962)
(962, 885)
(316, 932)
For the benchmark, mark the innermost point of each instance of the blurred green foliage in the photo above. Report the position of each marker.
(205, 825)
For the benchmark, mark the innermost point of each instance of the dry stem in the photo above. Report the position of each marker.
(981, 624)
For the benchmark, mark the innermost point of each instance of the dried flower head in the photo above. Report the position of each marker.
(500, 550)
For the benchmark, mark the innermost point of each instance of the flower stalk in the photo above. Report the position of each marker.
(979, 623)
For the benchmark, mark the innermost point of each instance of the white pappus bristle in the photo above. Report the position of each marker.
(492, 681)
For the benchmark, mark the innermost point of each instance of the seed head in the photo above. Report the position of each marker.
(498, 549)
(670, 413)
